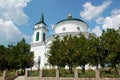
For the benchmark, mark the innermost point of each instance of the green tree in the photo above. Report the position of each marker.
(110, 41)
(69, 50)
(24, 56)
(72, 50)
(13, 61)
(3, 58)
(62, 50)
(95, 54)
(55, 57)
(81, 51)
(16, 56)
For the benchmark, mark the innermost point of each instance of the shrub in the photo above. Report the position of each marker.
(1, 73)
(11, 73)
(66, 73)
(48, 73)
(87, 74)
(108, 74)
(33, 73)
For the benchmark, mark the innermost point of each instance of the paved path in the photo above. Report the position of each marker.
(20, 78)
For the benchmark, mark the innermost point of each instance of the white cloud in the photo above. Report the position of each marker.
(9, 32)
(13, 10)
(112, 21)
(12, 16)
(100, 20)
(90, 11)
(115, 11)
(97, 30)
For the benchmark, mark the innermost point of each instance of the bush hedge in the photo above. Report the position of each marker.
(68, 73)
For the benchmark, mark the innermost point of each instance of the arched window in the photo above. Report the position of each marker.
(64, 29)
(37, 36)
(43, 36)
(78, 28)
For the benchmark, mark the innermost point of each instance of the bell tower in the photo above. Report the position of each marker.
(40, 31)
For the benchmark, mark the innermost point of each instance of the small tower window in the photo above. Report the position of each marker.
(78, 28)
(37, 36)
(64, 29)
(43, 36)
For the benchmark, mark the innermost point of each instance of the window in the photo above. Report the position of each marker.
(78, 28)
(37, 36)
(43, 36)
(63, 28)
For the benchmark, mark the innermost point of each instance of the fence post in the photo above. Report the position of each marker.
(57, 73)
(5, 74)
(26, 73)
(76, 73)
(16, 73)
(97, 74)
(40, 73)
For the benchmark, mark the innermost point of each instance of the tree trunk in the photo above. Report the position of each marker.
(116, 70)
(83, 69)
(70, 67)
(23, 71)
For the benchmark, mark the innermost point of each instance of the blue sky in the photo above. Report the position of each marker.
(18, 17)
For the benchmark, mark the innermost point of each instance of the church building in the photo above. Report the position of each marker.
(41, 43)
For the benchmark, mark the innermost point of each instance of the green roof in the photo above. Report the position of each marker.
(41, 20)
(41, 23)
(68, 19)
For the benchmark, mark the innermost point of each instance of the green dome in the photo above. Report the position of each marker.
(70, 18)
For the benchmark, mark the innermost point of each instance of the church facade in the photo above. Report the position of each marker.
(41, 43)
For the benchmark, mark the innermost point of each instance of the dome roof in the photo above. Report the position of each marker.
(70, 25)
(70, 18)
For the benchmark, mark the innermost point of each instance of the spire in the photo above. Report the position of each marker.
(42, 18)
(69, 15)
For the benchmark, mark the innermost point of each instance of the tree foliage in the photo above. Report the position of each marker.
(110, 41)
(3, 58)
(79, 50)
(70, 49)
(16, 56)
(55, 53)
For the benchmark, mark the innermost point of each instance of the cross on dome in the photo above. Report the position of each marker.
(69, 15)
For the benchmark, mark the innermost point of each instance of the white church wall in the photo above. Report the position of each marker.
(70, 26)
(39, 51)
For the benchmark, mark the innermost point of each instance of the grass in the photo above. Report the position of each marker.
(33, 73)
(68, 73)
